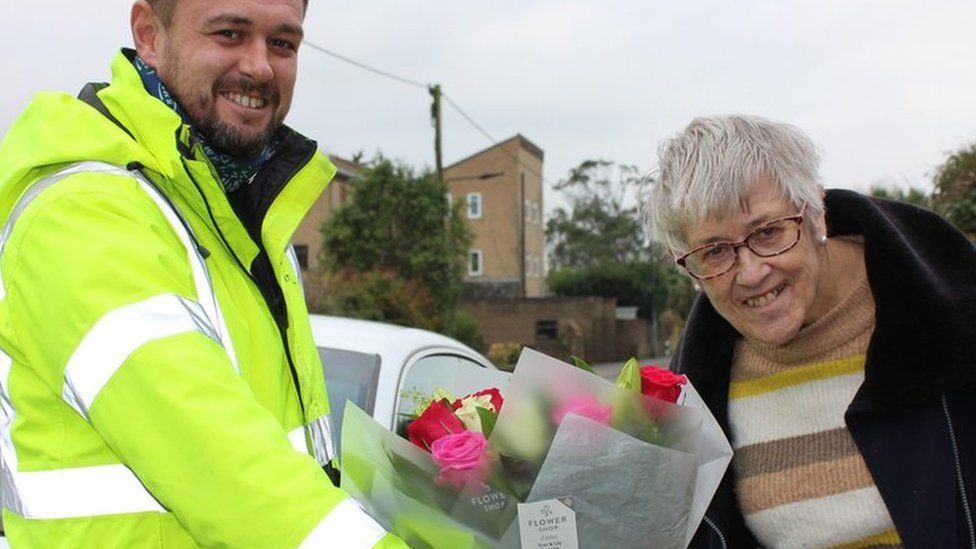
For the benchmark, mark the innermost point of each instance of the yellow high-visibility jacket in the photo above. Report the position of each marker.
(158, 380)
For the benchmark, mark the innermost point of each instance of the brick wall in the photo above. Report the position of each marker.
(561, 326)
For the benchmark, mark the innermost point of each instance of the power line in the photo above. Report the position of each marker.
(409, 82)
(469, 119)
(364, 66)
(492, 139)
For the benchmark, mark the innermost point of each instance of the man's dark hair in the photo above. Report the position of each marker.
(165, 8)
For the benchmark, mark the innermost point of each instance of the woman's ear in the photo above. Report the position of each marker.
(820, 222)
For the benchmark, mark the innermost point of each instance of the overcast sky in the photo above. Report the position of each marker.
(886, 88)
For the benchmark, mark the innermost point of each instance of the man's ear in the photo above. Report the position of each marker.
(147, 32)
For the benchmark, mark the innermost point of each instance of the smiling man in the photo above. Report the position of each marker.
(158, 380)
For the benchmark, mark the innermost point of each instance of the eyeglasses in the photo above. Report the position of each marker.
(717, 258)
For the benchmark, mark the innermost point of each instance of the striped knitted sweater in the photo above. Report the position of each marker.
(800, 479)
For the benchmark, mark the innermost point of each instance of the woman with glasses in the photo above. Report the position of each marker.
(834, 341)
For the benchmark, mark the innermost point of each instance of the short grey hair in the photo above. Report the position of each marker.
(709, 169)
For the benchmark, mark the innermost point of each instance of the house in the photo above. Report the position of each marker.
(501, 188)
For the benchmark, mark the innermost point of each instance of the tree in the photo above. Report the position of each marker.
(598, 228)
(396, 252)
(955, 189)
(912, 196)
(599, 246)
(632, 284)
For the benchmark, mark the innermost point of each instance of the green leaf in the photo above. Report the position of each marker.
(629, 377)
(488, 419)
(582, 364)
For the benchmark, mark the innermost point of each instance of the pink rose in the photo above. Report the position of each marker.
(459, 451)
(462, 459)
(661, 383)
(582, 405)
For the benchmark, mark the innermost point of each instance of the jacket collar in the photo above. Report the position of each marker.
(161, 131)
(922, 273)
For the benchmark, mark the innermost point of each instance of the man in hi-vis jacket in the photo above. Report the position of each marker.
(159, 383)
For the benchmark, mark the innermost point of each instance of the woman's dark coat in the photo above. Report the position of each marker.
(914, 417)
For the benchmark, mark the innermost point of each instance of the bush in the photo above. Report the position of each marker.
(464, 328)
(505, 355)
(375, 295)
(630, 283)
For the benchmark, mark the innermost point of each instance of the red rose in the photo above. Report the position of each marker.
(496, 399)
(436, 421)
(661, 383)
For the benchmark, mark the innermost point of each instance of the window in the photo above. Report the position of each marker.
(532, 212)
(529, 265)
(352, 376)
(475, 267)
(301, 253)
(474, 205)
(546, 329)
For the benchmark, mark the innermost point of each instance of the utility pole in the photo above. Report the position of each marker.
(435, 118)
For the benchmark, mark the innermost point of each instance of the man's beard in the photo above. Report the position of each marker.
(228, 139)
(221, 135)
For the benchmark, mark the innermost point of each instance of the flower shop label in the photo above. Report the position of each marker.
(547, 524)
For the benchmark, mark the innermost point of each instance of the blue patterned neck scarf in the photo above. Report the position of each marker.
(234, 172)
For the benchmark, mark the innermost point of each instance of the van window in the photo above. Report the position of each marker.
(349, 376)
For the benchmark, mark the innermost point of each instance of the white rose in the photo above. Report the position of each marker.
(468, 412)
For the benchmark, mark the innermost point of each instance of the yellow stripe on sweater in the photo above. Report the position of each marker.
(797, 376)
(886, 538)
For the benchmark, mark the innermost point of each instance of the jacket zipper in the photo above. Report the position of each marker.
(247, 273)
(718, 532)
(959, 477)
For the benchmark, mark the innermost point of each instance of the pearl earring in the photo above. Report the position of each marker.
(696, 286)
(823, 240)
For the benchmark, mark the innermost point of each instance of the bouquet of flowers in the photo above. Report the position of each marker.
(559, 458)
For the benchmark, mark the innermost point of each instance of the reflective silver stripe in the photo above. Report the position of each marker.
(293, 259)
(26, 198)
(77, 492)
(201, 276)
(7, 492)
(5, 405)
(320, 432)
(104, 489)
(118, 334)
(322, 437)
(346, 526)
(66, 493)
